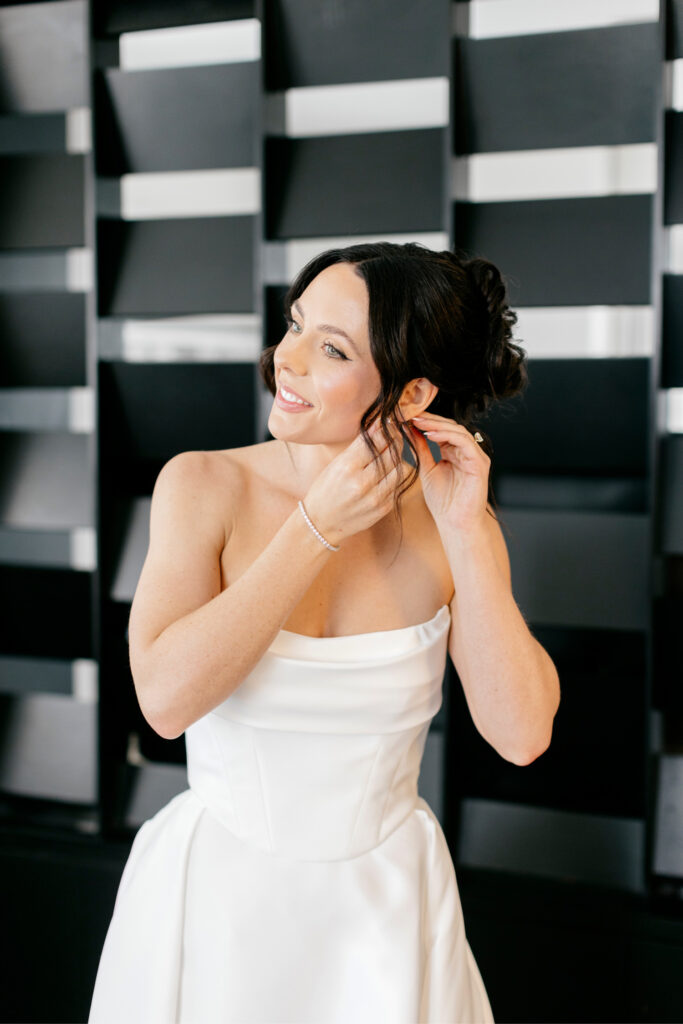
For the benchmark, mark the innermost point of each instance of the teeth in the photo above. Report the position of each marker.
(292, 398)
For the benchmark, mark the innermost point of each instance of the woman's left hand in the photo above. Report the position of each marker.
(456, 488)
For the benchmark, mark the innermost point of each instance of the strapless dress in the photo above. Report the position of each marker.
(300, 879)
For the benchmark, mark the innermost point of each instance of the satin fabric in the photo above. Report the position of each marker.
(300, 879)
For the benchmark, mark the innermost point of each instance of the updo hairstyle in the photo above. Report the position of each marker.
(438, 315)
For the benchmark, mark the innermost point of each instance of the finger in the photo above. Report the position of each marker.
(424, 452)
(463, 443)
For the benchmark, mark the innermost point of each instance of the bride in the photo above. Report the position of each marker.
(379, 336)
(293, 618)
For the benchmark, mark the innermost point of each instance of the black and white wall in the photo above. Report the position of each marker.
(163, 178)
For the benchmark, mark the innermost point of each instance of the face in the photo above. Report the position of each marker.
(324, 359)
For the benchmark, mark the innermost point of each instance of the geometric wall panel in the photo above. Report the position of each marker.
(111, 17)
(43, 49)
(673, 173)
(45, 480)
(672, 330)
(355, 184)
(564, 252)
(577, 416)
(49, 747)
(586, 569)
(140, 272)
(538, 91)
(671, 454)
(177, 119)
(308, 43)
(41, 201)
(45, 612)
(153, 411)
(42, 339)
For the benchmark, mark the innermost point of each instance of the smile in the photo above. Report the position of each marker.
(290, 400)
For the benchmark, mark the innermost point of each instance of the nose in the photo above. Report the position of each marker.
(291, 354)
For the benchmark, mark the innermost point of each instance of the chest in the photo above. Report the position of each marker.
(382, 578)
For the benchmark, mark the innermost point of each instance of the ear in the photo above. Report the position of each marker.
(417, 395)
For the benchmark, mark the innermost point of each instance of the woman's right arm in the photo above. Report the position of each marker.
(190, 644)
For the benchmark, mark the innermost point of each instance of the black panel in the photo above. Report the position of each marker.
(593, 87)
(313, 43)
(672, 331)
(113, 16)
(43, 57)
(355, 184)
(42, 339)
(179, 119)
(184, 265)
(41, 201)
(276, 324)
(45, 480)
(570, 491)
(564, 252)
(674, 29)
(671, 493)
(45, 612)
(40, 133)
(577, 416)
(595, 762)
(673, 167)
(150, 412)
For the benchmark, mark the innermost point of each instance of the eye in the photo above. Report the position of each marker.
(291, 324)
(338, 354)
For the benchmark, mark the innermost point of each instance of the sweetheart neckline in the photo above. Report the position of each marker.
(373, 632)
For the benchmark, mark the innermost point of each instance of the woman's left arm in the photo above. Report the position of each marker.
(510, 682)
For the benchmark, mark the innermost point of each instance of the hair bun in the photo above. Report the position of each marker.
(504, 367)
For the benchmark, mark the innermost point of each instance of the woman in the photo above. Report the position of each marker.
(293, 618)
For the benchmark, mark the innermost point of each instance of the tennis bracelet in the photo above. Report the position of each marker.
(316, 532)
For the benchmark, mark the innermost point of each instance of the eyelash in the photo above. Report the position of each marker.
(340, 355)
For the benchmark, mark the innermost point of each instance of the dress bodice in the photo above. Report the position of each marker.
(316, 755)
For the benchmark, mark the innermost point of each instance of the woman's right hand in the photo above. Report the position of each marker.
(353, 492)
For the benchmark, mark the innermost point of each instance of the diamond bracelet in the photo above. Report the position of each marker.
(316, 532)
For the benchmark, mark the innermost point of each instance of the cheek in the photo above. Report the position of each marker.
(351, 392)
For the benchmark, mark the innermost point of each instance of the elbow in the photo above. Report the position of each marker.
(531, 752)
(157, 713)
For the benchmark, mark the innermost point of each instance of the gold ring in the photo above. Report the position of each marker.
(478, 438)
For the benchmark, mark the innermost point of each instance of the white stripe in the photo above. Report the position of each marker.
(78, 130)
(673, 249)
(83, 548)
(207, 338)
(191, 193)
(222, 42)
(84, 680)
(580, 332)
(60, 409)
(674, 410)
(80, 271)
(556, 173)
(46, 271)
(674, 87)
(366, 107)
(284, 260)
(492, 18)
(81, 410)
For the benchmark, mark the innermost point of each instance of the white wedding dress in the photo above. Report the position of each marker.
(300, 879)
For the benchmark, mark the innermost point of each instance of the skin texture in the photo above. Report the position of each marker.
(231, 560)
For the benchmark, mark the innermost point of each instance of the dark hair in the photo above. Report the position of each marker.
(438, 315)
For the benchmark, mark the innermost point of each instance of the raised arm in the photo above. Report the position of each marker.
(191, 645)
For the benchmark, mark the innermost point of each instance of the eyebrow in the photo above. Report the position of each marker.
(329, 328)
